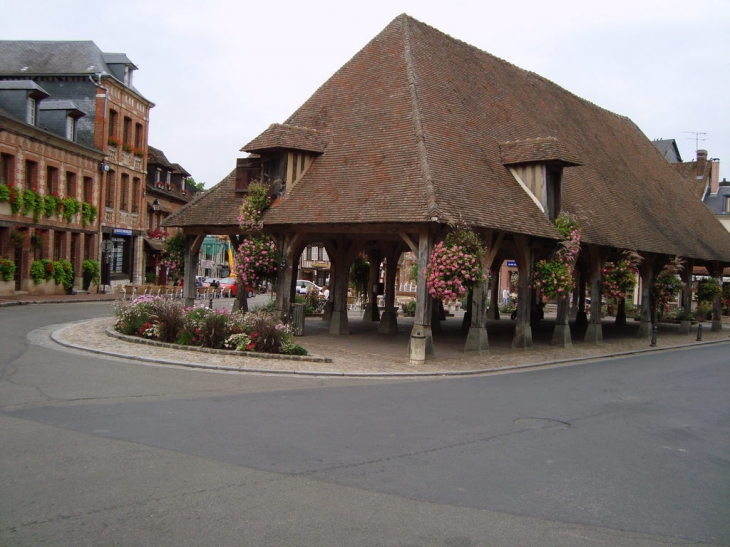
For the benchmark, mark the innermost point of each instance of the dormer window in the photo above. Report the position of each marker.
(31, 111)
(537, 165)
(70, 128)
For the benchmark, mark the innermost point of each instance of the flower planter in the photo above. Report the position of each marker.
(45, 288)
(5, 208)
(7, 288)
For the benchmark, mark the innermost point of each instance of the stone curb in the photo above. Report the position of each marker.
(56, 337)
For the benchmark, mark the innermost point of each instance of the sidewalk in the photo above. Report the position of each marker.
(366, 353)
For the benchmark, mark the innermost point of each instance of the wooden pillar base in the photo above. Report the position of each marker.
(388, 323)
(645, 330)
(339, 324)
(594, 333)
(523, 337)
(477, 341)
(371, 312)
(561, 337)
(716, 325)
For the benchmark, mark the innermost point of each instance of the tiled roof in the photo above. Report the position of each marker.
(696, 175)
(411, 129)
(217, 207)
(286, 136)
(540, 150)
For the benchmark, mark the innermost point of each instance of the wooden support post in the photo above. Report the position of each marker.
(523, 331)
(241, 301)
(290, 246)
(493, 312)
(389, 318)
(192, 246)
(716, 271)
(594, 332)
(421, 340)
(686, 324)
(646, 270)
(371, 312)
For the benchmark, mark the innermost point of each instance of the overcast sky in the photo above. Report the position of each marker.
(221, 71)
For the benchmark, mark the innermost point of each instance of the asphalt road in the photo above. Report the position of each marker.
(103, 451)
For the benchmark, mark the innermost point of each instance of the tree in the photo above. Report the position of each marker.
(191, 182)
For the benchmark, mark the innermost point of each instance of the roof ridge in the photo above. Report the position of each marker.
(421, 148)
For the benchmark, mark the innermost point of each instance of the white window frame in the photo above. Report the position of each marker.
(30, 113)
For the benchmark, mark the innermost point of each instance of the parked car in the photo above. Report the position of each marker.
(304, 286)
(229, 285)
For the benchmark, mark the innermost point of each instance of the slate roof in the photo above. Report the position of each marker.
(414, 128)
(668, 149)
(34, 58)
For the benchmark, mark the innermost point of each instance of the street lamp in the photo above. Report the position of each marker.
(156, 205)
(107, 247)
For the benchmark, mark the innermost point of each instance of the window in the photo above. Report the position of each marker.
(113, 121)
(135, 194)
(123, 191)
(158, 176)
(309, 252)
(70, 184)
(126, 137)
(31, 109)
(7, 169)
(51, 181)
(58, 241)
(31, 175)
(138, 133)
(726, 209)
(109, 197)
(89, 190)
(70, 128)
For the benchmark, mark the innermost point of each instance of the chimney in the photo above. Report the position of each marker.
(714, 175)
(701, 155)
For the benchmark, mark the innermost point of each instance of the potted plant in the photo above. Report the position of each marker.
(91, 272)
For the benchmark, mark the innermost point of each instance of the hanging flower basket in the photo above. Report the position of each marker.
(454, 268)
(257, 260)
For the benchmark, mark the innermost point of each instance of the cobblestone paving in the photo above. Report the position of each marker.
(367, 353)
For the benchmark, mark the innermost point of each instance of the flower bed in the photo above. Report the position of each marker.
(166, 320)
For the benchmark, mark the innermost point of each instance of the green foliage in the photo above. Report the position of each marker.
(132, 315)
(312, 302)
(7, 269)
(92, 269)
(667, 284)
(258, 195)
(10, 194)
(63, 273)
(88, 213)
(33, 203)
(168, 320)
(409, 308)
(413, 273)
(360, 274)
(553, 278)
(173, 256)
(52, 205)
(41, 270)
(71, 206)
(703, 312)
(708, 289)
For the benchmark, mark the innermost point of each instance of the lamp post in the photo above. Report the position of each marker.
(107, 247)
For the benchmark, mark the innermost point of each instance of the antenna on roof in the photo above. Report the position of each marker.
(696, 137)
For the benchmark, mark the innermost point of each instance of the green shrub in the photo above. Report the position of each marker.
(41, 270)
(7, 269)
(409, 308)
(92, 269)
(708, 289)
(703, 312)
(63, 273)
(132, 315)
(168, 316)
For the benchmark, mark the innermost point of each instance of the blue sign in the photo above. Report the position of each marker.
(122, 232)
(511, 263)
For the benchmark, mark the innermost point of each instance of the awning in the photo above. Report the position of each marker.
(154, 244)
